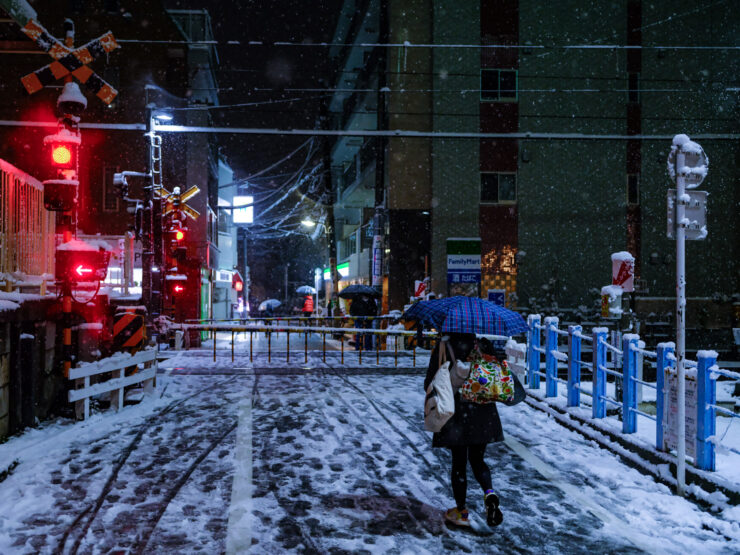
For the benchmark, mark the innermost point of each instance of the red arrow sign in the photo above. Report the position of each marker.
(80, 270)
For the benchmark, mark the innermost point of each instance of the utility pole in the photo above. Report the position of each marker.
(376, 260)
(330, 195)
(688, 165)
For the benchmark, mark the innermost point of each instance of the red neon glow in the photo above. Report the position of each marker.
(178, 288)
(81, 270)
(238, 285)
(61, 155)
(179, 235)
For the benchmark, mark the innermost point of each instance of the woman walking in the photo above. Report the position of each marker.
(466, 435)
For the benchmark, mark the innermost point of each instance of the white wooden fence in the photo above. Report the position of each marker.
(146, 371)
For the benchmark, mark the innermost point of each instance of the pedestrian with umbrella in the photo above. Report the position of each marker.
(473, 425)
(363, 306)
(308, 305)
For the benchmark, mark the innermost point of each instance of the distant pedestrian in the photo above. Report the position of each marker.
(363, 306)
(307, 308)
(466, 435)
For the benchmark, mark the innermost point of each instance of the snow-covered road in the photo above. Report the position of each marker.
(327, 461)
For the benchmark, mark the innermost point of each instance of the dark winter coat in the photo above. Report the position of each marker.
(472, 423)
(363, 306)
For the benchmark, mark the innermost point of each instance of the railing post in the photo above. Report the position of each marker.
(662, 362)
(574, 366)
(551, 363)
(706, 415)
(599, 376)
(629, 385)
(533, 355)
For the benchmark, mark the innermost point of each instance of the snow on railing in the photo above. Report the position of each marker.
(701, 374)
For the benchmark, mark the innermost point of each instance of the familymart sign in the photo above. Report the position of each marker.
(463, 260)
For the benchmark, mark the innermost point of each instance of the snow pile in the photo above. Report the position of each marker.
(93, 245)
(64, 135)
(623, 256)
(72, 93)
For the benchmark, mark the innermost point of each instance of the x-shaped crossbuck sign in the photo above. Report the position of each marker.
(67, 60)
(175, 201)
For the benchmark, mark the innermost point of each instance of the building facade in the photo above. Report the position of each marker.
(583, 104)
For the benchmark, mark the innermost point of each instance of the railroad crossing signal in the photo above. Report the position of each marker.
(68, 61)
(177, 202)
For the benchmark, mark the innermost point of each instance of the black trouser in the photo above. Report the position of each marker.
(460, 457)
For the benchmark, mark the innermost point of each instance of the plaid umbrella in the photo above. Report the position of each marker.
(467, 315)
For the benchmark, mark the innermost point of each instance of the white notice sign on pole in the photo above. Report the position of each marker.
(670, 418)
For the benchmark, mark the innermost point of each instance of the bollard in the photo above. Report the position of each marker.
(305, 348)
(232, 346)
(629, 386)
(533, 355)
(287, 344)
(251, 343)
(414, 360)
(551, 363)
(663, 362)
(361, 339)
(342, 341)
(574, 366)
(706, 415)
(213, 334)
(323, 346)
(395, 348)
(269, 346)
(377, 350)
(599, 376)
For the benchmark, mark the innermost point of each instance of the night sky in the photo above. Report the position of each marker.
(246, 68)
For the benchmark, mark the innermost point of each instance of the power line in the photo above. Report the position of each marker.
(427, 45)
(431, 134)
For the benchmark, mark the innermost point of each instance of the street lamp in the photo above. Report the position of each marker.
(308, 223)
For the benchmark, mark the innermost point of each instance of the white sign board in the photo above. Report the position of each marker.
(670, 417)
(696, 215)
(695, 160)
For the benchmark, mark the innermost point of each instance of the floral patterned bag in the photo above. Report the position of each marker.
(491, 381)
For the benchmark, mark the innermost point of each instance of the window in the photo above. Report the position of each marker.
(633, 188)
(498, 84)
(498, 188)
(110, 191)
(633, 87)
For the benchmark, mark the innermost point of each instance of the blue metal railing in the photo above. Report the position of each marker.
(630, 357)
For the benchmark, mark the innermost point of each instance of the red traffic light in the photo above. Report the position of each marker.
(74, 264)
(238, 285)
(63, 155)
(179, 235)
(178, 289)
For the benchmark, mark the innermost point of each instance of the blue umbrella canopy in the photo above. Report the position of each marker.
(306, 290)
(466, 315)
(269, 303)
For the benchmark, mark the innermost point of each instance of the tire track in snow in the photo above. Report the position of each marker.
(91, 511)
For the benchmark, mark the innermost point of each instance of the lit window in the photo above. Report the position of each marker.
(243, 215)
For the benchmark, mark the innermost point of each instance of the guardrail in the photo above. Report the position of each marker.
(269, 331)
(702, 374)
(26, 228)
(143, 366)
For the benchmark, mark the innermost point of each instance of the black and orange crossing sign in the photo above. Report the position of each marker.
(128, 330)
(176, 202)
(69, 61)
